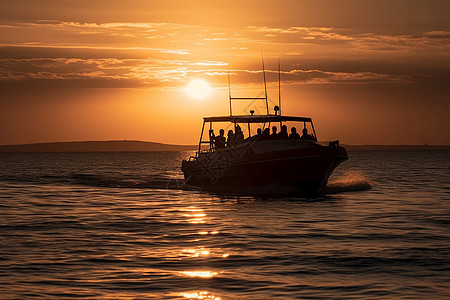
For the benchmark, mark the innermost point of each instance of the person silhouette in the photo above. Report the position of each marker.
(283, 132)
(306, 135)
(220, 140)
(265, 134)
(239, 135)
(231, 138)
(274, 132)
(294, 134)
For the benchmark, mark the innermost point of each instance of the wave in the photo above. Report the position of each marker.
(350, 181)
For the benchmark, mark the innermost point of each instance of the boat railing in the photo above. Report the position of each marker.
(207, 150)
(204, 151)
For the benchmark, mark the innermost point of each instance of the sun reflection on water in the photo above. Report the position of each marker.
(203, 295)
(202, 274)
(194, 252)
(206, 232)
(196, 221)
(195, 215)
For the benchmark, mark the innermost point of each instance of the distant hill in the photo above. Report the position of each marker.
(96, 146)
(139, 146)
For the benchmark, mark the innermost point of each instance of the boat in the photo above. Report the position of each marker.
(261, 164)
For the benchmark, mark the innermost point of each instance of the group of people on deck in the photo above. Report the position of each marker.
(237, 138)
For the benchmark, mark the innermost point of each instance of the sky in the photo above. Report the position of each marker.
(367, 72)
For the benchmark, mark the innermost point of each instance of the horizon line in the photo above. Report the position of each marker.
(184, 145)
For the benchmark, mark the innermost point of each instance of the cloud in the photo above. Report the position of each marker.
(306, 33)
(297, 76)
(184, 39)
(430, 39)
(118, 54)
(318, 76)
(130, 72)
(49, 33)
(209, 63)
(356, 41)
(152, 72)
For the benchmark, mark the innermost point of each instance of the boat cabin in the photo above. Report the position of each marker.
(249, 125)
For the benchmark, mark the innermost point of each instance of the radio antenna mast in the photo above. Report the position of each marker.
(229, 91)
(265, 85)
(248, 98)
(279, 85)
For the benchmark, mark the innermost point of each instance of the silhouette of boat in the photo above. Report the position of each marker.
(262, 165)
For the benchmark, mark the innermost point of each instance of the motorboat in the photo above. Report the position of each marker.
(261, 164)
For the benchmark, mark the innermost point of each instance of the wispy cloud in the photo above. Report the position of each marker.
(320, 76)
(430, 39)
(182, 39)
(141, 72)
(355, 41)
(163, 73)
(168, 54)
(298, 76)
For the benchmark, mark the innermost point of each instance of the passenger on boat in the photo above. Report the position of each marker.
(258, 132)
(231, 138)
(306, 135)
(274, 132)
(257, 136)
(283, 132)
(239, 137)
(294, 134)
(220, 140)
(265, 134)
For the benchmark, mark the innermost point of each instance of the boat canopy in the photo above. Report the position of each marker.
(255, 119)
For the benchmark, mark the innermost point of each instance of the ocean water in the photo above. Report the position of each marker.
(123, 226)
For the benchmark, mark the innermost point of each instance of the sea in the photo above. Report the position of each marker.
(124, 226)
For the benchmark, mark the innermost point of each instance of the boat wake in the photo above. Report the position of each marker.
(349, 182)
(150, 181)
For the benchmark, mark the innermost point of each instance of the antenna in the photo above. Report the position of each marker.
(248, 98)
(229, 91)
(279, 85)
(265, 86)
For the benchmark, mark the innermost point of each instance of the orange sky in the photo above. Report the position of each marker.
(367, 72)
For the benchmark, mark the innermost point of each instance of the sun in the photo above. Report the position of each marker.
(198, 89)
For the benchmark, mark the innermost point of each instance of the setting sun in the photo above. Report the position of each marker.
(198, 89)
